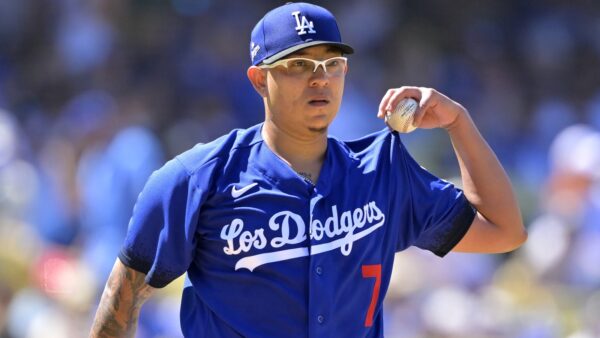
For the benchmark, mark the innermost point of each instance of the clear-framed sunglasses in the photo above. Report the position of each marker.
(335, 66)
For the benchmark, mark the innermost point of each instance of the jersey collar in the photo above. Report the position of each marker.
(279, 173)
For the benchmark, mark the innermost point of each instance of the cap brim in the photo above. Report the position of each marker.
(346, 49)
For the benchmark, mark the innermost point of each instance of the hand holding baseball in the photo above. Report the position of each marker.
(435, 110)
(402, 118)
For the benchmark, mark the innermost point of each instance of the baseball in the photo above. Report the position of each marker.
(401, 119)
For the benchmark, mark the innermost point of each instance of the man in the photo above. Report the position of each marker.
(286, 232)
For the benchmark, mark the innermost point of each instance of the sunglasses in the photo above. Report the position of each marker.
(335, 66)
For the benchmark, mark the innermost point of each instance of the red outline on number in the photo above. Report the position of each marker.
(372, 271)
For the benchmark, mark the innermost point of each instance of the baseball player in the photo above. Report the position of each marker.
(284, 231)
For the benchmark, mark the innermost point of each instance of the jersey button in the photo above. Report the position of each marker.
(320, 319)
(319, 270)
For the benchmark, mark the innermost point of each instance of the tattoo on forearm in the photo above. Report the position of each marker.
(119, 308)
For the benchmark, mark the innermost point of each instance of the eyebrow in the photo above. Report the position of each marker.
(330, 49)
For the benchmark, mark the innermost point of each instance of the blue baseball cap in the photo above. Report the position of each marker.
(291, 27)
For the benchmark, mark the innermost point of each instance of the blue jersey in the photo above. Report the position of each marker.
(268, 254)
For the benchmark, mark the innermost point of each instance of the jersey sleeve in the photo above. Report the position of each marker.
(437, 214)
(161, 236)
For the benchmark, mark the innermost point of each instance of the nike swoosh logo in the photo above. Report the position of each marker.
(235, 193)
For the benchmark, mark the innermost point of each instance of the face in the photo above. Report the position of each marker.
(304, 104)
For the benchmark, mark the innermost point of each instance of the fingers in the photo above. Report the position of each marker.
(384, 102)
(393, 96)
(435, 110)
(425, 104)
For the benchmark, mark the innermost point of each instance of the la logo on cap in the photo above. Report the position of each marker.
(305, 24)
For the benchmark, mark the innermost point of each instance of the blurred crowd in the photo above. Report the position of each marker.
(95, 95)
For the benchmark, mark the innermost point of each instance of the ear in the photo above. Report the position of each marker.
(258, 78)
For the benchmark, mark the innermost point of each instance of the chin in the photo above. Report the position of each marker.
(319, 124)
(318, 130)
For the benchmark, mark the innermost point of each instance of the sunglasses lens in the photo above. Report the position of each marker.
(301, 66)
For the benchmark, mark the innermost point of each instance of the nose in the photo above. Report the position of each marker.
(319, 78)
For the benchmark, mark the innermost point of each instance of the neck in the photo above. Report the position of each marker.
(297, 151)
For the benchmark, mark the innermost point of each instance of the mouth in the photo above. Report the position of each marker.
(318, 102)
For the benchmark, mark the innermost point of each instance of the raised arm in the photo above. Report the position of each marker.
(122, 299)
(498, 226)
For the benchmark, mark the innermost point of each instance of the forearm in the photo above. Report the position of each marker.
(485, 183)
(120, 305)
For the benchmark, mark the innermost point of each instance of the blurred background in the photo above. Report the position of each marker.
(95, 95)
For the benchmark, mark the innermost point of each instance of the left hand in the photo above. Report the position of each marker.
(435, 110)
